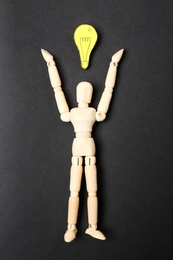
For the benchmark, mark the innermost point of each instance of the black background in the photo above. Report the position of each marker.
(134, 144)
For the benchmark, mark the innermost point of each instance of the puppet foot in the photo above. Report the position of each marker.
(95, 233)
(70, 235)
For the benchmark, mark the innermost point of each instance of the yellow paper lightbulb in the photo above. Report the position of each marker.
(85, 37)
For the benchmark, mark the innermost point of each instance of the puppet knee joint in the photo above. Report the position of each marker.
(92, 194)
(74, 194)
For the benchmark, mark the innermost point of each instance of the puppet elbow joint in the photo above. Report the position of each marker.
(65, 117)
(100, 116)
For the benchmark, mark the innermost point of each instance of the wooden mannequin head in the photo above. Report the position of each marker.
(84, 92)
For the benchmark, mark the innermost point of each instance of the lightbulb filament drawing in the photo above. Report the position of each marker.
(85, 45)
(85, 37)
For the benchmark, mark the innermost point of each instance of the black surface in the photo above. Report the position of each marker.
(134, 144)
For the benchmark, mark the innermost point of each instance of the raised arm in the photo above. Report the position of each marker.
(104, 103)
(56, 84)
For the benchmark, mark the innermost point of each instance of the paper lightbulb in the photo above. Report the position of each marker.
(85, 37)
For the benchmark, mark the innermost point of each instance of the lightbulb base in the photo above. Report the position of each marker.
(84, 64)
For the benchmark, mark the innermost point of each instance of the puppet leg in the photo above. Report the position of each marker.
(73, 203)
(91, 181)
